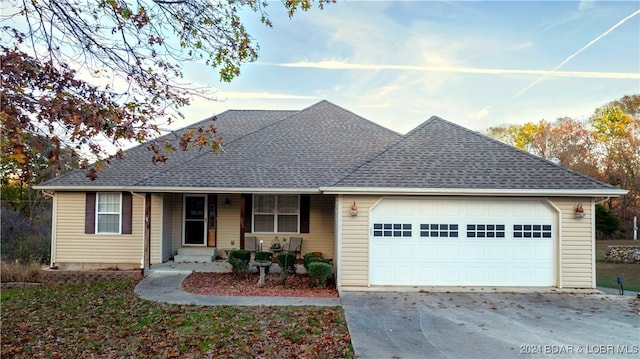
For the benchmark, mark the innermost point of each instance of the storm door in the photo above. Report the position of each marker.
(195, 219)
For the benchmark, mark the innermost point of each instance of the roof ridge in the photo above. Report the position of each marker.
(538, 158)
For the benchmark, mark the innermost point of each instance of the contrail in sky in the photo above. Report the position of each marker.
(341, 65)
(577, 52)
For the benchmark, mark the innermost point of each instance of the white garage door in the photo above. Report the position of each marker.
(461, 242)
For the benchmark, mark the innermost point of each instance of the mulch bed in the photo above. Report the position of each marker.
(228, 284)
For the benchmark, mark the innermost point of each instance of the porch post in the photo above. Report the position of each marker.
(147, 231)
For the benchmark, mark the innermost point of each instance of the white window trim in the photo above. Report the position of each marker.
(275, 214)
(99, 213)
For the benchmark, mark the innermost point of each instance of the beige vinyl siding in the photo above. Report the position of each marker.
(74, 246)
(354, 256)
(156, 228)
(228, 231)
(170, 224)
(576, 244)
(321, 236)
(176, 223)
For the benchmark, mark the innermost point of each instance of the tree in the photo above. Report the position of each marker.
(138, 47)
(604, 147)
(606, 222)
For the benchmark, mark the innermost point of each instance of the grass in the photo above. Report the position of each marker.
(607, 273)
(18, 272)
(106, 319)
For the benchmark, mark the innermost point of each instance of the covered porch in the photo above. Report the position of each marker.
(200, 227)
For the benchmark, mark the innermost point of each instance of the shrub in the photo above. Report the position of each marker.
(264, 256)
(312, 257)
(239, 260)
(287, 262)
(30, 248)
(320, 272)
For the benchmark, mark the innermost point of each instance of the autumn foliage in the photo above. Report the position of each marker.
(606, 147)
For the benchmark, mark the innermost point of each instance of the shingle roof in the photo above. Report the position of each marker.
(325, 147)
(262, 149)
(137, 164)
(440, 154)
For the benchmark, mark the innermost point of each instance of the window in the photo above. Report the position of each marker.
(276, 213)
(485, 230)
(108, 212)
(531, 231)
(391, 230)
(439, 230)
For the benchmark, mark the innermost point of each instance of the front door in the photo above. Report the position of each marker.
(195, 219)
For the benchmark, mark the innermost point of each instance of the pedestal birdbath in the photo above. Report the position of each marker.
(261, 264)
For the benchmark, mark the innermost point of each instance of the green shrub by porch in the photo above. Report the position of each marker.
(264, 256)
(312, 257)
(239, 260)
(287, 262)
(320, 272)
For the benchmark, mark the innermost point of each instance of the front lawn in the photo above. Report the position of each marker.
(106, 319)
(607, 273)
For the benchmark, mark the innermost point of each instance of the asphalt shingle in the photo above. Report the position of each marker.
(327, 146)
(440, 154)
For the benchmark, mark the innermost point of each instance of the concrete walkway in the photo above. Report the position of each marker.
(164, 284)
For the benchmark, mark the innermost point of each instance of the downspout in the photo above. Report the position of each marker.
(603, 200)
(144, 231)
(54, 227)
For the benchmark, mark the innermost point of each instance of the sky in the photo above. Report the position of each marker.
(475, 63)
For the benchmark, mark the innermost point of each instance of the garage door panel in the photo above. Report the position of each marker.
(480, 253)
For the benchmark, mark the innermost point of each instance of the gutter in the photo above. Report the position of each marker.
(144, 229)
(614, 192)
(54, 227)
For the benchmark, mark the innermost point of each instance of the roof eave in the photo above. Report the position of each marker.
(611, 192)
(177, 189)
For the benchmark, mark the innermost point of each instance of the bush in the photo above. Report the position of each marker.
(287, 262)
(28, 249)
(320, 272)
(239, 260)
(312, 257)
(264, 256)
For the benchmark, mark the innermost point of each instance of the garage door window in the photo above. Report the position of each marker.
(531, 231)
(391, 230)
(485, 230)
(438, 230)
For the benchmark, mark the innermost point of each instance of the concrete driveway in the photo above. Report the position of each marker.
(492, 325)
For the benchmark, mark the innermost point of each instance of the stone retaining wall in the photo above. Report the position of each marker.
(51, 277)
(622, 254)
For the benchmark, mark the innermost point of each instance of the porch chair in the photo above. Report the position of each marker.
(295, 246)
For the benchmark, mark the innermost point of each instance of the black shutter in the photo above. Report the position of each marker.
(127, 212)
(305, 207)
(248, 211)
(90, 213)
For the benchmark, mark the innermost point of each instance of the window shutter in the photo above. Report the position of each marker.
(305, 207)
(127, 211)
(247, 200)
(90, 213)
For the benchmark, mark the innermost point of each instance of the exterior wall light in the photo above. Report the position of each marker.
(354, 209)
(579, 211)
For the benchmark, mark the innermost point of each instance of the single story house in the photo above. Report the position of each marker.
(440, 205)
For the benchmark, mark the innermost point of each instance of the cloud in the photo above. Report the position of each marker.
(585, 5)
(480, 115)
(343, 65)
